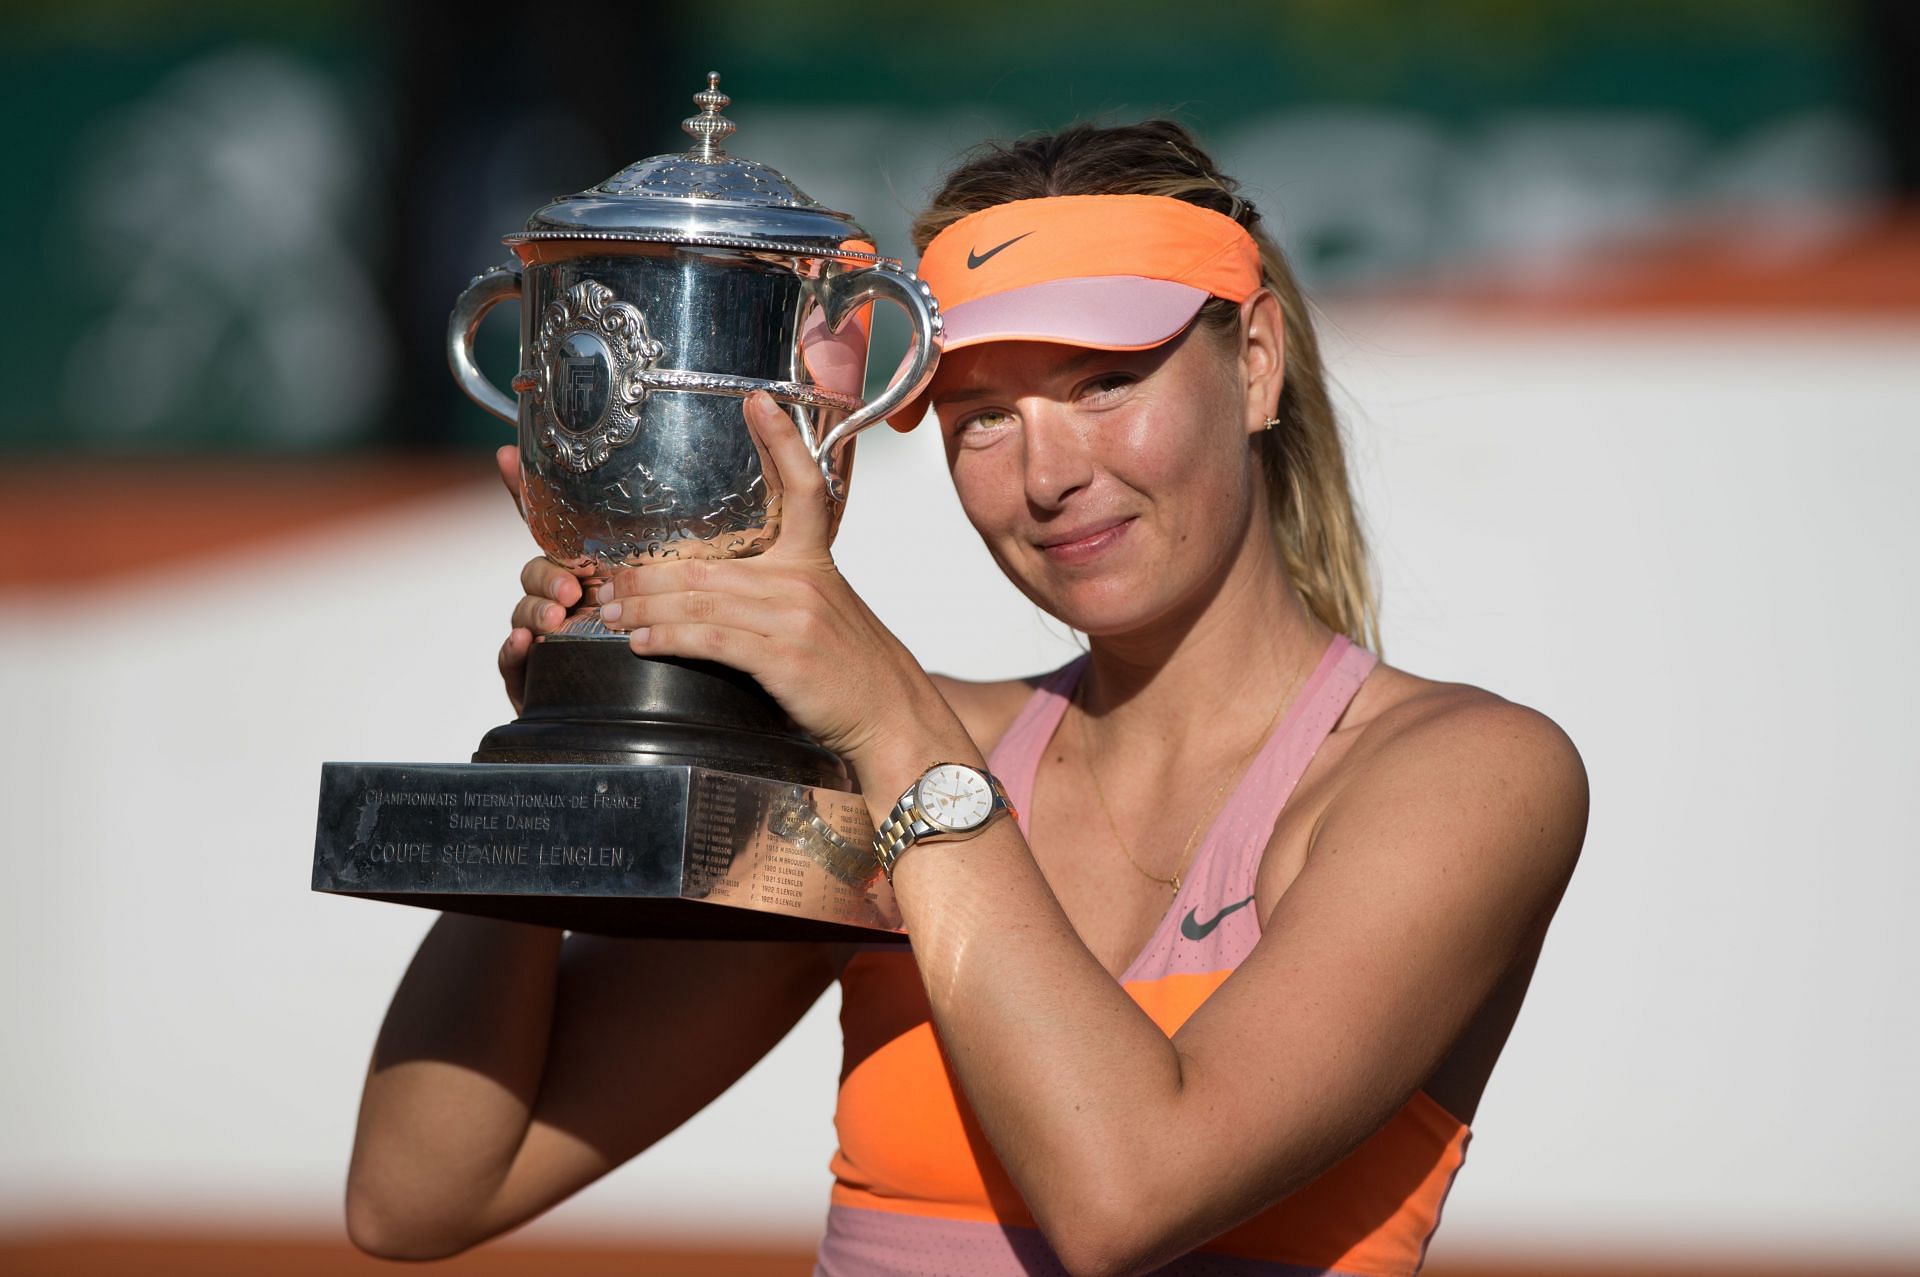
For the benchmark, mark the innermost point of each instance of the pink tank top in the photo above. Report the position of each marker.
(916, 1186)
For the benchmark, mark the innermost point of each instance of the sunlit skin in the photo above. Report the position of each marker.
(1046, 441)
(1152, 453)
(1115, 488)
(1402, 898)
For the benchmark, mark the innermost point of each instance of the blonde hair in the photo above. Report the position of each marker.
(1303, 460)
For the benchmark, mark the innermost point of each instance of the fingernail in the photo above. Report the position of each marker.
(552, 614)
(609, 612)
(639, 635)
(600, 593)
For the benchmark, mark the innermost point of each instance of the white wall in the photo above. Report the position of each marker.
(1690, 545)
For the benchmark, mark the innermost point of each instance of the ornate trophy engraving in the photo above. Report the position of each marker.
(588, 391)
(633, 795)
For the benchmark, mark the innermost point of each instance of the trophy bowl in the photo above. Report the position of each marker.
(650, 306)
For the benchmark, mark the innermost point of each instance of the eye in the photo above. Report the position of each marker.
(984, 423)
(1105, 388)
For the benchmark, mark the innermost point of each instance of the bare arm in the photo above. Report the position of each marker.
(1427, 877)
(514, 1069)
(1430, 872)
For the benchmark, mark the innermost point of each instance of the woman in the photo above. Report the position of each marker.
(1234, 980)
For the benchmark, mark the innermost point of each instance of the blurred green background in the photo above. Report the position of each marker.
(238, 228)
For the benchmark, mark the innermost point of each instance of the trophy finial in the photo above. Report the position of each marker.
(707, 128)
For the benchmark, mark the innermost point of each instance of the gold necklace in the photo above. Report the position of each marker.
(1186, 852)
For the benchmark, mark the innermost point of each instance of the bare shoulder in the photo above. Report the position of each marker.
(986, 710)
(1425, 751)
(1397, 712)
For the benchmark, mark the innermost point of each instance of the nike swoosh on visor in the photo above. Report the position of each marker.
(976, 260)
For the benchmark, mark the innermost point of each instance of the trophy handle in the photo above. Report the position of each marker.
(488, 289)
(843, 296)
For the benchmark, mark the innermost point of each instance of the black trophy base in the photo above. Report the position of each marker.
(693, 713)
(695, 810)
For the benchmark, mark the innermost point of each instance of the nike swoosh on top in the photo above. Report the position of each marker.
(976, 260)
(1193, 929)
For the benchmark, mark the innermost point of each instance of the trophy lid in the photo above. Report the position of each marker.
(701, 196)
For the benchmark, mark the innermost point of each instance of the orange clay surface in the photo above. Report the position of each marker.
(111, 1254)
(82, 520)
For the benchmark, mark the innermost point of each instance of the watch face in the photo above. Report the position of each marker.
(953, 797)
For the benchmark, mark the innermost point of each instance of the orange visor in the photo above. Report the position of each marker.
(1112, 272)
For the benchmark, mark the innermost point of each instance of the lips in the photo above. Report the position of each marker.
(1086, 542)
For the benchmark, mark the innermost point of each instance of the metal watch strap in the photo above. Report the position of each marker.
(901, 830)
(895, 834)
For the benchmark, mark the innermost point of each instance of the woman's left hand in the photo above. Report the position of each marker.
(787, 616)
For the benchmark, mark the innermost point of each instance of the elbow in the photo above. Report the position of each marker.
(1093, 1259)
(377, 1231)
(1105, 1234)
(1108, 1207)
(1101, 1253)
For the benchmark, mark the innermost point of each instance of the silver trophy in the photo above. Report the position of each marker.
(634, 794)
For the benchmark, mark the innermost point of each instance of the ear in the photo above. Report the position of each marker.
(1263, 356)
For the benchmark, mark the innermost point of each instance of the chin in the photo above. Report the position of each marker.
(1097, 608)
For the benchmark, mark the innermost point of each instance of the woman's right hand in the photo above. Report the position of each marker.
(550, 589)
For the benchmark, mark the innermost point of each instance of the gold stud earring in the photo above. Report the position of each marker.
(1272, 422)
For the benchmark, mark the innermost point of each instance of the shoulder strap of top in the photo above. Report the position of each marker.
(1221, 878)
(1246, 821)
(1016, 759)
(1255, 803)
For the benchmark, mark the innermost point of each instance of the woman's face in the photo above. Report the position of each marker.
(1114, 488)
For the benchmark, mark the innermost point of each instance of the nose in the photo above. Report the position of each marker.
(1056, 458)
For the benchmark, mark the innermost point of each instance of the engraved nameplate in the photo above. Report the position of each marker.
(449, 834)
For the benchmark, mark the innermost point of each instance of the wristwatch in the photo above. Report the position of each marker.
(950, 801)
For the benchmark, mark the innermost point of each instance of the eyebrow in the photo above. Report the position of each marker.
(1068, 366)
